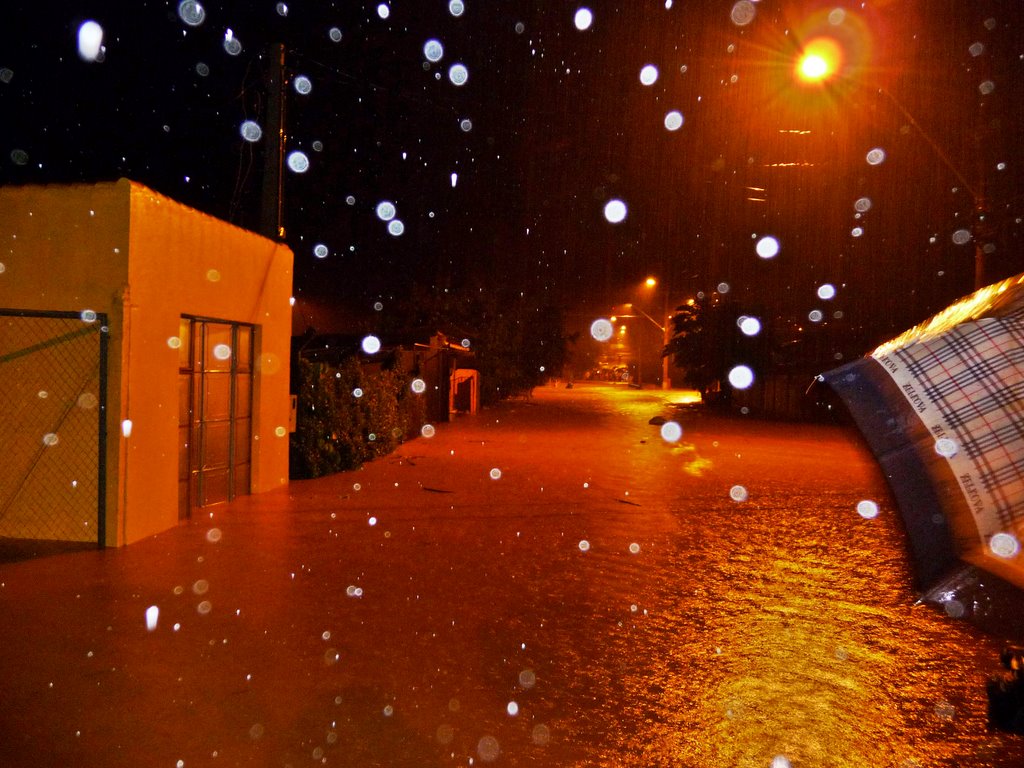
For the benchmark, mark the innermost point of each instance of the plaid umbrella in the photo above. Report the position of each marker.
(942, 408)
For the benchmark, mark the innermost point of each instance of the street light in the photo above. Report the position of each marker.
(821, 61)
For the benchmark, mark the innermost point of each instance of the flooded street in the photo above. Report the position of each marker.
(547, 584)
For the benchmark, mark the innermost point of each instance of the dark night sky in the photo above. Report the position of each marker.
(560, 124)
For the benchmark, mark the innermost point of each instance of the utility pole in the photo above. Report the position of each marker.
(271, 220)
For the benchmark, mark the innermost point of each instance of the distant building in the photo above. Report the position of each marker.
(144, 358)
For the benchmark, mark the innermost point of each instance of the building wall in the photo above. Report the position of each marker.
(145, 260)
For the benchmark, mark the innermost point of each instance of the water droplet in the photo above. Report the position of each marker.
(303, 85)
(371, 344)
(427, 430)
(152, 616)
(191, 12)
(867, 509)
(767, 247)
(615, 211)
(742, 13)
(458, 74)
(584, 545)
(738, 493)
(671, 432)
(876, 156)
(90, 41)
(433, 50)
(602, 330)
(741, 377)
(674, 120)
(583, 19)
(495, 474)
(298, 161)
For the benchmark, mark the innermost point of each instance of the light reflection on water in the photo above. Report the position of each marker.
(786, 636)
(780, 627)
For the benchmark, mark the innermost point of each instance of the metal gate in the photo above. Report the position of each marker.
(52, 425)
(215, 391)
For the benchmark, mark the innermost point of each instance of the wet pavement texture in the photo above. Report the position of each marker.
(547, 583)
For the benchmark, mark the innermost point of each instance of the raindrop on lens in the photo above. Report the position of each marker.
(767, 247)
(1004, 545)
(214, 535)
(738, 493)
(298, 162)
(320, 251)
(495, 474)
(826, 291)
(741, 377)
(601, 330)
(863, 204)
(231, 44)
(383, 11)
(674, 120)
(466, 125)
(584, 545)
(962, 236)
(50, 439)
(282, 9)
(527, 678)
(251, 131)
(371, 345)
(385, 211)
(987, 87)
(458, 74)
(222, 352)
(433, 50)
(815, 316)
(488, 749)
(19, 157)
(750, 326)
(946, 447)
(427, 430)
(742, 13)
(867, 509)
(396, 228)
(671, 432)
(857, 231)
(634, 548)
(303, 85)
(649, 74)
(456, 8)
(88, 316)
(512, 708)
(419, 386)
(152, 616)
(90, 41)
(335, 34)
(615, 211)
(202, 69)
(6, 75)
(583, 19)
(541, 735)
(876, 156)
(191, 12)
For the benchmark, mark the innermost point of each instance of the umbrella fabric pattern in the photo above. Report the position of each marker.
(942, 408)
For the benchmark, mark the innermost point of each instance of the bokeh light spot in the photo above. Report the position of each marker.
(615, 211)
(741, 377)
(371, 345)
(583, 19)
(767, 247)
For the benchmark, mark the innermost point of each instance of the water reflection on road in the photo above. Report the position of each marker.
(697, 630)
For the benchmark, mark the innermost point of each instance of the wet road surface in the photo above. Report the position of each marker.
(546, 584)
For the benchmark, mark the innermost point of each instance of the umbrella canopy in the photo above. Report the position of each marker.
(942, 408)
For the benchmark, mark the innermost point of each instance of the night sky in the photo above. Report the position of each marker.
(502, 181)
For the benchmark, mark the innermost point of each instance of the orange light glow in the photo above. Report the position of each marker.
(821, 60)
(650, 282)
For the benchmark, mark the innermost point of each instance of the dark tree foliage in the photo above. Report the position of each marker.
(349, 414)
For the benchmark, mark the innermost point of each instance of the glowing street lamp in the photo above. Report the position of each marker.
(820, 61)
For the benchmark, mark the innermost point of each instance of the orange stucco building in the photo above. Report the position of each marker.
(144, 356)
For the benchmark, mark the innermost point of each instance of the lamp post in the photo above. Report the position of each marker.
(821, 61)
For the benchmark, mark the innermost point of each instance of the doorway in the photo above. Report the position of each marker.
(215, 390)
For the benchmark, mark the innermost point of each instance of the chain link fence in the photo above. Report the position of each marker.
(52, 404)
